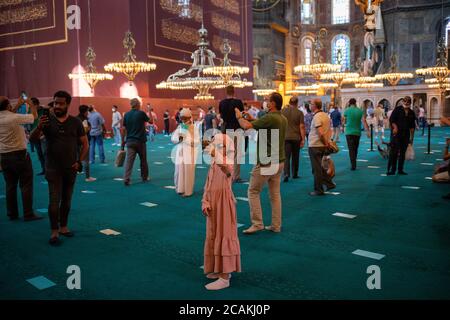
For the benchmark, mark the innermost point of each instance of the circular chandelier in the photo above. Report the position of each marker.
(393, 76)
(327, 85)
(339, 77)
(369, 85)
(361, 80)
(130, 67)
(440, 72)
(306, 90)
(195, 78)
(230, 74)
(317, 69)
(263, 92)
(91, 76)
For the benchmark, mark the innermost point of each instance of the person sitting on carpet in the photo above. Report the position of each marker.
(441, 174)
(187, 140)
(222, 249)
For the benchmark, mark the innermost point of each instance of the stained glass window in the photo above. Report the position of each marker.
(307, 11)
(341, 51)
(341, 11)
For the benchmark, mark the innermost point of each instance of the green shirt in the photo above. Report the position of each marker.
(353, 116)
(271, 121)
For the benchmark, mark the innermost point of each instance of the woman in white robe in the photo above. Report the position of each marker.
(187, 139)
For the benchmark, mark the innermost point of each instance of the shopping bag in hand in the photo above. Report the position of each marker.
(410, 154)
(120, 158)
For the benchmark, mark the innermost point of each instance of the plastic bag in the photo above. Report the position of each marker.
(410, 154)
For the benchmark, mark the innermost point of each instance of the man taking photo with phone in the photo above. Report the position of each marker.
(15, 159)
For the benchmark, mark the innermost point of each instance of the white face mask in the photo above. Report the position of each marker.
(113, 110)
(265, 106)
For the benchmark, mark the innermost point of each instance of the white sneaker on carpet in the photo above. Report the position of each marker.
(218, 284)
(90, 179)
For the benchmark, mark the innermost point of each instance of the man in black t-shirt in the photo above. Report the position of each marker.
(166, 122)
(64, 135)
(403, 124)
(228, 114)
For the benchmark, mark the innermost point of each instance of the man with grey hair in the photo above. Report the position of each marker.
(135, 138)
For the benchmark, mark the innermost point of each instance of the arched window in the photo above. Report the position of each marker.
(307, 51)
(341, 51)
(447, 34)
(307, 11)
(341, 11)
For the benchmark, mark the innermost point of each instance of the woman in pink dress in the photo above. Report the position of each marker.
(222, 250)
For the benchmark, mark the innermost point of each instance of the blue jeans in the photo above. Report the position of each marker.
(151, 133)
(117, 136)
(96, 140)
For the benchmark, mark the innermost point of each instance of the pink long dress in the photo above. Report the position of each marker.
(222, 253)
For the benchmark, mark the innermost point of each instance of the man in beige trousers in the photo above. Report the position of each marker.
(270, 164)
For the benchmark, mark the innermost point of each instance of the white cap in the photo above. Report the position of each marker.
(186, 113)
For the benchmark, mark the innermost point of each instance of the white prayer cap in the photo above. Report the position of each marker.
(186, 113)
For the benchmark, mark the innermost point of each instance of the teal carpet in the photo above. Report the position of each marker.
(158, 254)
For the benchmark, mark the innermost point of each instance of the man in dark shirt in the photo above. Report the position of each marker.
(403, 124)
(135, 138)
(228, 114)
(64, 134)
(167, 122)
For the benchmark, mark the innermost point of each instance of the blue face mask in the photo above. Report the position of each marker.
(184, 126)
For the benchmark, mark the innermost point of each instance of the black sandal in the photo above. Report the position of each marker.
(69, 234)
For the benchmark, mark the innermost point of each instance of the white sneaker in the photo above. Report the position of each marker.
(218, 284)
(90, 179)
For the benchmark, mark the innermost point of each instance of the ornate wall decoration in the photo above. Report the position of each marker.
(173, 7)
(229, 5)
(24, 14)
(180, 33)
(4, 3)
(226, 24)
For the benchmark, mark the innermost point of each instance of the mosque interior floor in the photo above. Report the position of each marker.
(159, 252)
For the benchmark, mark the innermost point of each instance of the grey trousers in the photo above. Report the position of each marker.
(139, 148)
(321, 177)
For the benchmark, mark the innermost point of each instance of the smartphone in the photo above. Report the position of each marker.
(46, 112)
(24, 95)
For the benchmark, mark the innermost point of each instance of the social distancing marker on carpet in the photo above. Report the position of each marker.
(242, 198)
(103, 164)
(426, 164)
(421, 147)
(345, 150)
(344, 215)
(118, 179)
(41, 283)
(88, 192)
(362, 160)
(202, 267)
(240, 225)
(428, 153)
(44, 182)
(247, 183)
(373, 167)
(158, 163)
(410, 187)
(201, 167)
(383, 175)
(441, 143)
(43, 210)
(428, 178)
(149, 204)
(333, 193)
(161, 147)
(368, 254)
(2, 196)
(170, 187)
(110, 232)
(439, 159)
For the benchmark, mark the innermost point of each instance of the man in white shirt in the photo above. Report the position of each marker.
(15, 160)
(116, 118)
(319, 141)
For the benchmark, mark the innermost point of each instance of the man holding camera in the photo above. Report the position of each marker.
(15, 160)
(64, 135)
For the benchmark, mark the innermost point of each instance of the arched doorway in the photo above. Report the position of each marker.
(386, 105)
(434, 110)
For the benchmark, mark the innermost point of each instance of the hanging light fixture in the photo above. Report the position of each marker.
(263, 92)
(306, 90)
(369, 85)
(360, 80)
(339, 77)
(318, 67)
(130, 67)
(230, 74)
(91, 76)
(194, 78)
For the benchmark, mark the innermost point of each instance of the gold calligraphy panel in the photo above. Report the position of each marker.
(180, 33)
(226, 24)
(229, 5)
(24, 14)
